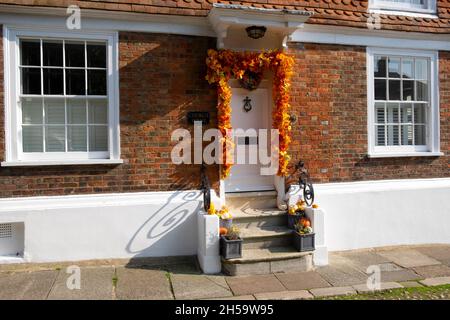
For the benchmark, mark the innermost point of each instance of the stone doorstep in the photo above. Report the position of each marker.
(265, 261)
(265, 233)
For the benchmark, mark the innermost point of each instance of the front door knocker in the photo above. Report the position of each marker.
(247, 104)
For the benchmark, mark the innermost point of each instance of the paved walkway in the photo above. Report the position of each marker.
(346, 274)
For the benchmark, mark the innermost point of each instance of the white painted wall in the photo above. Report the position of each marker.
(106, 226)
(388, 212)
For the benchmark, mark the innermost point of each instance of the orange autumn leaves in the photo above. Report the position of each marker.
(226, 64)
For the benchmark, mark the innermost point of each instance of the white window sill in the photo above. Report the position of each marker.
(405, 154)
(29, 163)
(399, 12)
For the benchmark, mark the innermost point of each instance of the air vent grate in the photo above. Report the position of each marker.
(5, 230)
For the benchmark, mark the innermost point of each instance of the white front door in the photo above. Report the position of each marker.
(247, 176)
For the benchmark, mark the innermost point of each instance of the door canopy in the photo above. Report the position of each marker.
(224, 65)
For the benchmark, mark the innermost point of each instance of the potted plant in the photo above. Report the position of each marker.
(226, 220)
(303, 235)
(231, 244)
(295, 213)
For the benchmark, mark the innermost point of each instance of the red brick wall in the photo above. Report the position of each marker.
(329, 98)
(161, 79)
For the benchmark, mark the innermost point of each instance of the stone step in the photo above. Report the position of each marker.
(267, 237)
(265, 261)
(252, 218)
(251, 200)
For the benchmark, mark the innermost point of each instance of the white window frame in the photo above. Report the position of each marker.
(432, 147)
(13, 140)
(402, 7)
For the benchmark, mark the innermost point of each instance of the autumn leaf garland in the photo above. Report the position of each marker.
(226, 64)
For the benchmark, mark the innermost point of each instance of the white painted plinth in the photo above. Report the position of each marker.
(208, 242)
(317, 217)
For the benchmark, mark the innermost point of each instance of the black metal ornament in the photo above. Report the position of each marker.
(247, 104)
(305, 183)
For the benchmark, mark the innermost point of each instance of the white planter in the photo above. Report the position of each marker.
(208, 242)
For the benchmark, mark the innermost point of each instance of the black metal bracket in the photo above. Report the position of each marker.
(205, 188)
(304, 181)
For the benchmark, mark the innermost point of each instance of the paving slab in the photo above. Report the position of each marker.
(26, 285)
(438, 252)
(433, 271)
(254, 284)
(187, 286)
(362, 288)
(408, 258)
(402, 275)
(363, 259)
(142, 284)
(246, 297)
(95, 284)
(411, 284)
(436, 281)
(284, 295)
(302, 280)
(342, 275)
(388, 267)
(332, 291)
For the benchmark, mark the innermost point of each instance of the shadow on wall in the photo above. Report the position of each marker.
(162, 78)
(173, 225)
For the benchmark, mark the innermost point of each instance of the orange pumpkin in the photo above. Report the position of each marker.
(306, 223)
(223, 231)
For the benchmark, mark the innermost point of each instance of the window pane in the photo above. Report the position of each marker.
(392, 135)
(407, 68)
(98, 138)
(380, 135)
(55, 139)
(75, 82)
(421, 69)
(32, 111)
(380, 89)
(76, 138)
(422, 90)
(32, 138)
(419, 113)
(98, 111)
(30, 52)
(394, 89)
(419, 135)
(74, 54)
(53, 81)
(406, 113)
(54, 111)
(380, 67)
(394, 67)
(31, 81)
(96, 55)
(76, 111)
(408, 90)
(97, 82)
(53, 53)
(379, 111)
(392, 112)
(407, 135)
